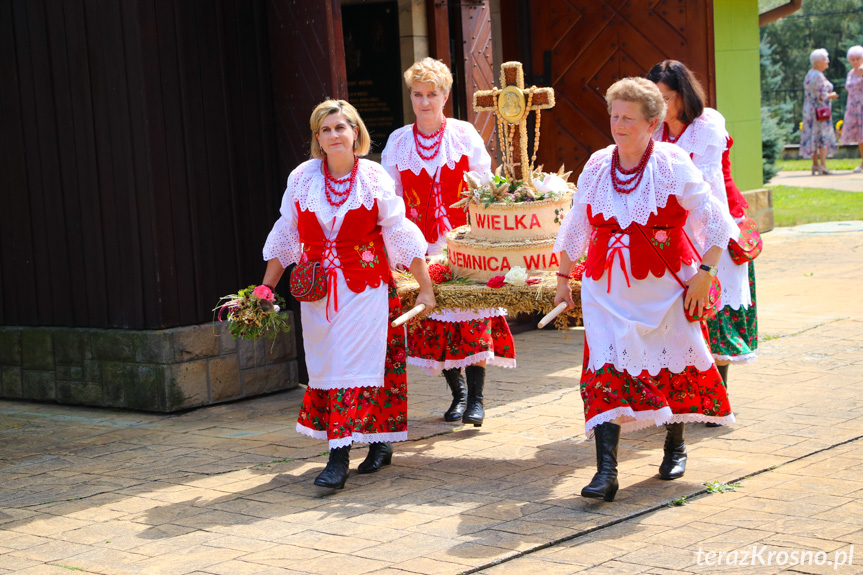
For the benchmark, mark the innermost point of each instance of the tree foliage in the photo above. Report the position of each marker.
(832, 24)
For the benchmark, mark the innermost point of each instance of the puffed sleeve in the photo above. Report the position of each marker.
(709, 220)
(480, 160)
(283, 242)
(710, 164)
(403, 239)
(574, 233)
(389, 165)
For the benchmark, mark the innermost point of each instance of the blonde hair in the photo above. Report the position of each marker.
(641, 91)
(328, 107)
(429, 71)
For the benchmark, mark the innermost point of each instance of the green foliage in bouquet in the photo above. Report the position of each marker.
(253, 313)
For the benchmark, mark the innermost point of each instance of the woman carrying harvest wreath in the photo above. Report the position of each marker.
(645, 362)
(428, 160)
(343, 212)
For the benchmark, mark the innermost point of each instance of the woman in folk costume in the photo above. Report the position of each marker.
(428, 160)
(700, 131)
(343, 212)
(645, 363)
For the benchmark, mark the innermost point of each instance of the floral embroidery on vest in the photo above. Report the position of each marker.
(367, 255)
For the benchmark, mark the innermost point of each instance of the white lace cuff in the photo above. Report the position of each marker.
(404, 242)
(574, 233)
(283, 242)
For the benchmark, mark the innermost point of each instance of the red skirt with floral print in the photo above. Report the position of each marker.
(364, 414)
(645, 400)
(444, 344)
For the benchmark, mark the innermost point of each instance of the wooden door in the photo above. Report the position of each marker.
(478, 65)
(592, 44)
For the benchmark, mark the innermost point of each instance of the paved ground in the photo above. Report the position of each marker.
(844, 180)
(228, 489)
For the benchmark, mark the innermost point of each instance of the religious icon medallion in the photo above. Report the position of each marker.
(511, 104)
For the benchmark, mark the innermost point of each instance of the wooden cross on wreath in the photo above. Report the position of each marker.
(511, 105)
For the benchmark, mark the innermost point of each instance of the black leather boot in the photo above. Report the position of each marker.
(336, 472)
(380, 454)
(457, 386)
(474, 412)
(604, 483)
(723, 372)
(674, 461)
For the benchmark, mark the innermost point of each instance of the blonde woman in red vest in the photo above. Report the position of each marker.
(344, 212)
(428, 161)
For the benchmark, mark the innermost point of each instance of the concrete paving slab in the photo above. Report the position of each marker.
(228, 489)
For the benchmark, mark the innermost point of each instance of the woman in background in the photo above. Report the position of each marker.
(817, 138)
(428, 160)
(852, 125)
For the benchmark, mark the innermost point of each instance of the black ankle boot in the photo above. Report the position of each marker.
(604, 483)
(336, 472)
(723, 372)
(674, 461)
(455, 380)
(474, 412)
(380, 454)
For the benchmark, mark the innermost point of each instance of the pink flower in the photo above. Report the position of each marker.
(414, 213)
(264, 293)
(661, 236)
(495, 282)
(368, 256)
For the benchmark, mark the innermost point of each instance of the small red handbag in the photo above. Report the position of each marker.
(748, 246)
(714, 294)
(822, 113)
(308, 281)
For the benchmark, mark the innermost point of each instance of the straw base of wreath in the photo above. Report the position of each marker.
(527, 299)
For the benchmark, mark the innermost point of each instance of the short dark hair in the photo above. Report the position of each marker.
(679, 78)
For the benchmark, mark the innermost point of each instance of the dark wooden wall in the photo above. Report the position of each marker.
(139, 171)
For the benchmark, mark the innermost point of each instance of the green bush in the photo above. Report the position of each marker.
(773, 139)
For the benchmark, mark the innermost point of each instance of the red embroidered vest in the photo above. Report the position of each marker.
(417, 194)
(359, 246)
(664, 230)
(736, 201)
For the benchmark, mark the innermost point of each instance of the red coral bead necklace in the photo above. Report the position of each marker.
(630, 179)
(666, 137)
(432, 149)
(338, 197)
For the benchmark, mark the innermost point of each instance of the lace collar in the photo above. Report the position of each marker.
(306, 186)
(668, 171)
(459, 139)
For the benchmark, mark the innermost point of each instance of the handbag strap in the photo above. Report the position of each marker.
(655, 249)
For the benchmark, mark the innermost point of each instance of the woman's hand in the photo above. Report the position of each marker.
(696, 295)
(564, 294)
(832, 96)
(427, 298)
(420, 271)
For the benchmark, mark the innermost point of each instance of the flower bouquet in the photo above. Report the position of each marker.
(253, 313)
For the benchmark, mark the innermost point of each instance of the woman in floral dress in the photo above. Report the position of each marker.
(817, 138)
(852, 125)
(343, 212)
(700, 131)
(428, 160)
(645, 363)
